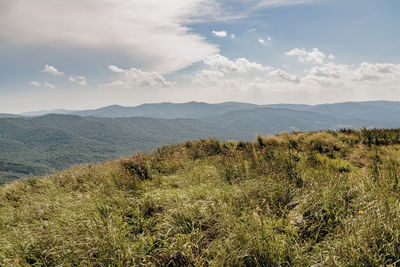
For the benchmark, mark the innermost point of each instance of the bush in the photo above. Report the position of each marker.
(137, 167)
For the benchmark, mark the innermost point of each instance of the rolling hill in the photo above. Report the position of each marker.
(39, 145)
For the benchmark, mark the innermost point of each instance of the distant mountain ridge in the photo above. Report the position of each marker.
(7, 115)
(386, 111)
(192, 110)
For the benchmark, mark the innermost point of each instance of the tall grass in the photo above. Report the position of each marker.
(301, 199)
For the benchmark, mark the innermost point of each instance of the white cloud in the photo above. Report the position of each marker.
(331, 70)
(50, 85)
(281, 75)
(377, 75)
(135, 77)
(296, 52)
(313, 56)
(233, 36)
(114, 68)
(151, 32)
(115, 84)
(52, 70)
(369, 72)
(223, 64)
(331, 57)
(264, 41)
(35, 83)
(81, 80)
(44, 84)
(220, 34)
(206, 77)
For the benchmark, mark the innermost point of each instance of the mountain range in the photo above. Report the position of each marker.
(37, 143)
(378, 111)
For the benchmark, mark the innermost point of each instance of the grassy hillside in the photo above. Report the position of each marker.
(326, 198)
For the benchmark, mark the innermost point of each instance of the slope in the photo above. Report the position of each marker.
(326, 198)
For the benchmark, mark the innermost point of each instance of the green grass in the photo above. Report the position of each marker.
(326, 198)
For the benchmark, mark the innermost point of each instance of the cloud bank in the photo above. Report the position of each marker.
(237, 79)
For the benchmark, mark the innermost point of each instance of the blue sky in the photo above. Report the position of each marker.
(79, 54)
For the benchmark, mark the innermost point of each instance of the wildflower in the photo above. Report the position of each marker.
(360, 212)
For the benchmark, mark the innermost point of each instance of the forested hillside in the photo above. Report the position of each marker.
(41, 145)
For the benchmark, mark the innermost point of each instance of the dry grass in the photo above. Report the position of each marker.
(327, 198)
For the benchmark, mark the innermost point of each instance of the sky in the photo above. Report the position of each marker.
(81, 54)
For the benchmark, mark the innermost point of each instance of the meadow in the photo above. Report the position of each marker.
(329, 198)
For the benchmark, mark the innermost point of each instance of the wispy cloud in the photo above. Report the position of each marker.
(43, 84)
(277, 3)
(264, 41)
(81, 80)
(52, 70)
(35, 83)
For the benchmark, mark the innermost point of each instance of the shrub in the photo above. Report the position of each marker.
(137, 166)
